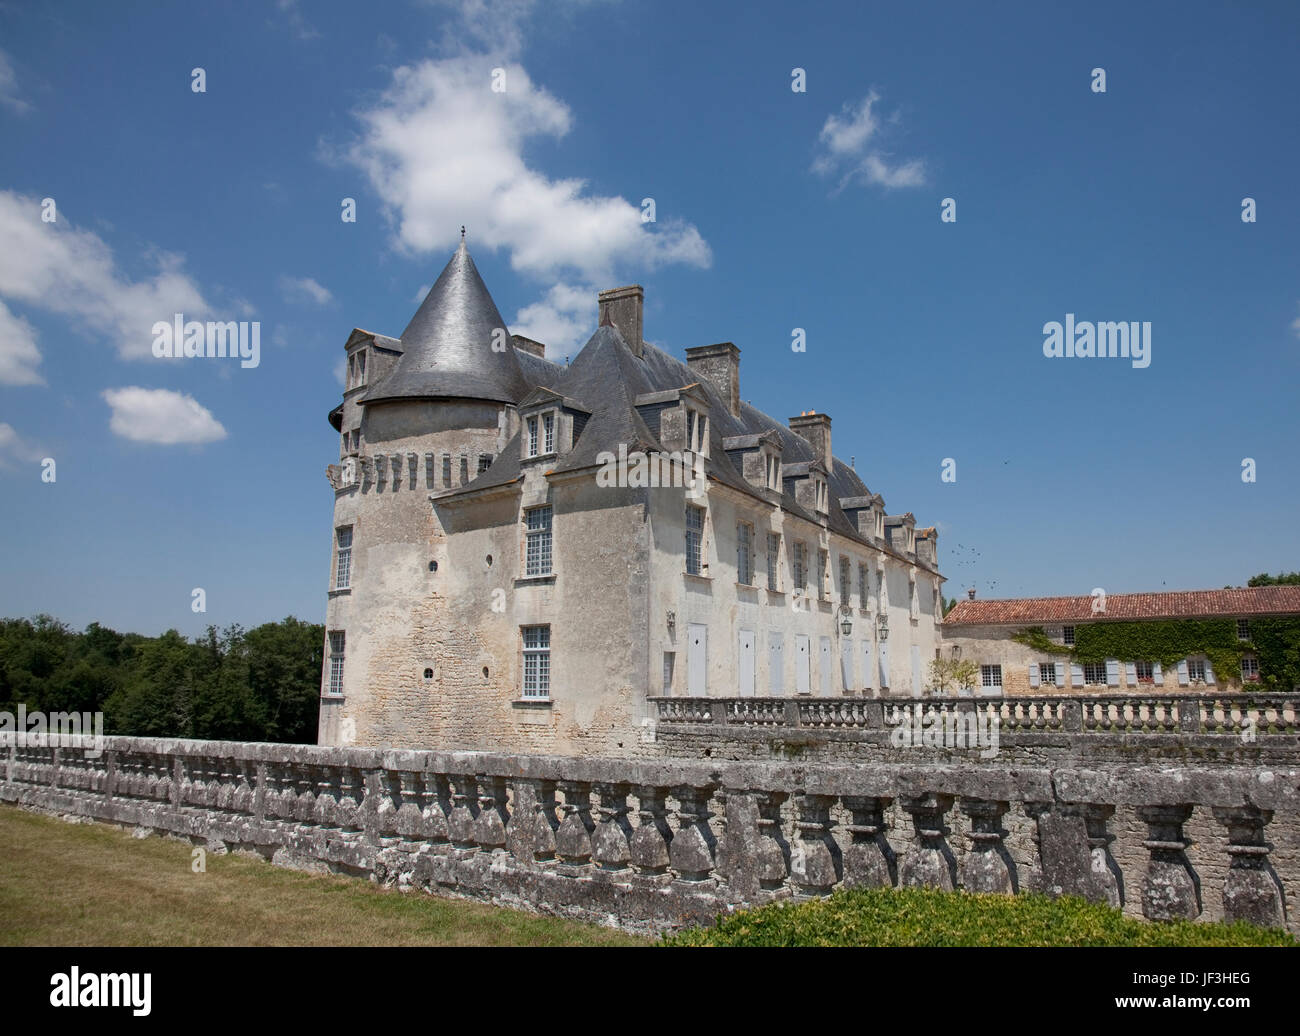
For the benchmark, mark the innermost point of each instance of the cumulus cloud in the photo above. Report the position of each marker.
(160, 416)
(9, 95)
(15, 450)
(19, 354)
(440, 148)
(303, 290)
(849, 148)
(563, 318)
(73, 273)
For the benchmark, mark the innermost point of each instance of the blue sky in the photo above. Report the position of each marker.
(775, 209)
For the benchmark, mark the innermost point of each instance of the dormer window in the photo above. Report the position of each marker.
(697, 431)
(773, 468)
(539, 434)
(823, 496)
(357, 369)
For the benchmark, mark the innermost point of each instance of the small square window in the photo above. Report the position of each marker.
(1094, 673)
(991, 676)
(1047, 672)
(1243, 629)
(1145, 672)
(1067, 634)
(1196, 671)
(1249, 669)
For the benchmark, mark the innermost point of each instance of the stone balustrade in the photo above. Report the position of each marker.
(656, 844)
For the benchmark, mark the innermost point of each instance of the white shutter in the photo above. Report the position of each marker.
(775, 662)
(746, 647)
(1076, 675)
(1112, 672)
(884, 663)
(1209, 673)
(1183, 679)
(1157, 674)
(867, 681)
(824, 664)
(1033, 674)
(1060, 674)
(1131, 673)
(846, 664)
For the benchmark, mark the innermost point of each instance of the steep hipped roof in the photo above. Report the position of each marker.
(1175, 604)
(447, 348)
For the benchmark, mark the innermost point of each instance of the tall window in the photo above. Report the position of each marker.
(694, 540)
(1047, 672)
(773, 472)
(799, 566)
(464, 469)
(697, 432)
(773, 559)
(446, 469)
(864, 581)
(745, 553)
(823, 566)
(537, 553)
(343, 565)
(336, 663)
(537, 661)
(361, 367)
(1243, 629)
(548, 433)
(1196, 670)
(1067, 634)
(845, 577)
(1250, 668)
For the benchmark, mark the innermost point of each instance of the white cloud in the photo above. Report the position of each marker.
(9, 86)
(441, 149)
(19, 355)
(73, 273)
(341, 370)
(849, 147)
(15, 450)
(562, 319)
(304, 289)
(160, 416)
(1295, 327)
(298, 25)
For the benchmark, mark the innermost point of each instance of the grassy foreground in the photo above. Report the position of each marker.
(923, 917)
(94, 885)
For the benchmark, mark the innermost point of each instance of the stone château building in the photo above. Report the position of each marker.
(509, 571)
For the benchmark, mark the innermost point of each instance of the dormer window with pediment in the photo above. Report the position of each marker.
(697, 430)
(540, 433)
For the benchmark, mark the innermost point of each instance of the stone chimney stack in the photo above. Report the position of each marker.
(622, 308)
(720, 366)
(815, 428)
(971, 593)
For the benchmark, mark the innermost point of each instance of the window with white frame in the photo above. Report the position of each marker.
(537, 661)
(343, 559)
(695, 540)
(846, 577)
(773, 472)
(799, 566)
(1249, 669)
(744, 553)
(773, 560)
(336, 662)
(1067, 634)
(1094, 672)
(697, 431)
(1196, 670)
(991, 675)
(537, 542)
(1047, 672)
(1243, 629)
(532, 437)
(1145, 672)
(548, 433)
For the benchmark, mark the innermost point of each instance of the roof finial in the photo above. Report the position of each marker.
(462, 232)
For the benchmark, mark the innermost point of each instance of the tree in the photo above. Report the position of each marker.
(1281, 579)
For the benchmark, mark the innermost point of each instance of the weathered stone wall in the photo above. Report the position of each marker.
(657, 844)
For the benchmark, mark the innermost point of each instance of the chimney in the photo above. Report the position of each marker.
(622, 308)
(815, 428)
(720, 366)
(528, 345)
(971, 593)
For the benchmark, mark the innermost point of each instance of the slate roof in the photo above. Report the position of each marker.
(447, 347)
(1176, 604)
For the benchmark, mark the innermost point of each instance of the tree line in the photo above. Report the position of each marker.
(261, 684)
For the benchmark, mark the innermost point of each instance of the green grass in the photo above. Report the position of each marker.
(924, 917)
(94, 885)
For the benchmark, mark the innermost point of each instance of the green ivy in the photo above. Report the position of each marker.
(1277, 642)
(1033, 637)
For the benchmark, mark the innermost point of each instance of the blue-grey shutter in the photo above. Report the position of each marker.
(1157, 674)
(1060, 674)
(1183, 678)
(1209, 673)
(1112, 672)
(1033, 674)
(1131, 673)
(1076, 674)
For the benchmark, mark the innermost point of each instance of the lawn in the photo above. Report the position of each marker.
(65, 884)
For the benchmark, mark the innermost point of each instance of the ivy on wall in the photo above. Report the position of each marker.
(1276, 642)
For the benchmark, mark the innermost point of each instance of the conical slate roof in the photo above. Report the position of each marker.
(447, 347)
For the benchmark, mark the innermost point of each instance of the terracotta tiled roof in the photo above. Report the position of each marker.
(1178, 604)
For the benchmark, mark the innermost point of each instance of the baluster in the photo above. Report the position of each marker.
(304, 809)
(409, 822)
(816, 864)
(1169, 892)
(573, 839)
(460, 824)
(1105, 871)
(610, 847)
(691, 852)
(984, 867)
(437, 808)
(1250, 890)
(490, 826)
(929, 862)
(869, 860)
(348, 811)
(326, 816)
(653, 835)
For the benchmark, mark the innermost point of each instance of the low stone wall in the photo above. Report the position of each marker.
(652, 845)
(1051, 730)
